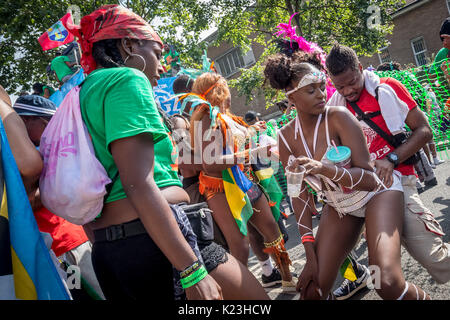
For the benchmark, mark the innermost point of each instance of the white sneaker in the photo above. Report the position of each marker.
(437, 161)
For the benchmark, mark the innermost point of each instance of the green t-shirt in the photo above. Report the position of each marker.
(118, 103)
(60, 67)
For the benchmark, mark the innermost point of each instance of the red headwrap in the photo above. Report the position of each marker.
(109, 22)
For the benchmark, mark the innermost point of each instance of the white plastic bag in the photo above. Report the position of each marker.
(72, 183)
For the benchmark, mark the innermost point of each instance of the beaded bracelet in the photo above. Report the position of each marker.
(194, 278)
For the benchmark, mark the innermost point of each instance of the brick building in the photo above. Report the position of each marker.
(415, 38)
(228, 61)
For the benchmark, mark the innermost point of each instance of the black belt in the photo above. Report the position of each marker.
(120, 231)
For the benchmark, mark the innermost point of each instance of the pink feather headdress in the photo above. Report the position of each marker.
(287, 31)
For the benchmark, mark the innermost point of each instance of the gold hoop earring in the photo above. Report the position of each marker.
(136, 55)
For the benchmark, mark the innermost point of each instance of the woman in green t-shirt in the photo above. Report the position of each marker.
(137, 238)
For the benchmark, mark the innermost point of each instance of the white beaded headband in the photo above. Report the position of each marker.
(309, 78)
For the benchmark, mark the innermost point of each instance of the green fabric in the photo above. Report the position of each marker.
(273, 191)
(441, 55)
(238, 201)
(269, 183)
(166, 162)
(170, 56)
(280, 176)
(60, 67)
(118, 103)
(50, 89)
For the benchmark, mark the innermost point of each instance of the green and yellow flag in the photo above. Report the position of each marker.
(271, 188)
(347, 270)
(236, 185)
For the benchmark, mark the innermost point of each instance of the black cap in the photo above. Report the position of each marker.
(445, 28)
(34, 105)
(250, 116)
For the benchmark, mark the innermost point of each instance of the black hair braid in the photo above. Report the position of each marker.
(106, 53)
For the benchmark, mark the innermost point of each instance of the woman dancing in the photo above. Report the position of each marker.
(305, 142)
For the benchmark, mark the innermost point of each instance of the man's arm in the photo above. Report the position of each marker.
(27, 157)
(421, 134)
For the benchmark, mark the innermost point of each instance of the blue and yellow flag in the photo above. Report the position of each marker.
(236, 184)
(26, 269)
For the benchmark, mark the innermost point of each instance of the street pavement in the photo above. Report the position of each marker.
(436, 198)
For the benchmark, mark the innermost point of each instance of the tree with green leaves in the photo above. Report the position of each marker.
(360, 24)
(23, 62)
(181, 23)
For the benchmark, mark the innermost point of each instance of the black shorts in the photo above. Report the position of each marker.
(133, 268)
(213, 254)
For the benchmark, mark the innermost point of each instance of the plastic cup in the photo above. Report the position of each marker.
(294, 181)
(342, 157)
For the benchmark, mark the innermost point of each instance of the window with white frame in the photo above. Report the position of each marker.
(233, 60)
(384, 55)
(420, 51)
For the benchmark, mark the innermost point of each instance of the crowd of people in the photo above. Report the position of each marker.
(192, 193)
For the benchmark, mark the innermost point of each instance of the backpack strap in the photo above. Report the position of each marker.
(368, 115)
(367, 118)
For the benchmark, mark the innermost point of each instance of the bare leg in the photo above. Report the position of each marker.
(427, 152)
(432, 147)
(384, 222)
(257, 243)
(237, 282)
(266, 225)
(236, 241)
(335, 239)
(263, 220)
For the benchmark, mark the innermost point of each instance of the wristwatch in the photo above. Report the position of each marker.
(393, 157)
